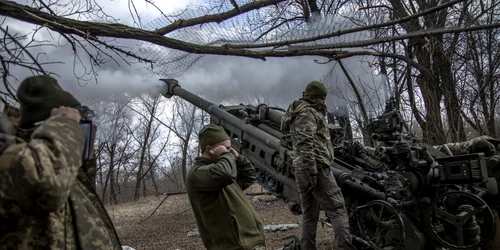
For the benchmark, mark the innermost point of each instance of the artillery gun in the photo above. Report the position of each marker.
(400, 194)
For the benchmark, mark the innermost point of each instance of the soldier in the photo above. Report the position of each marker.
(481, 144)
(46, 199)
(487, 145)
(215, 184)
(313, 156)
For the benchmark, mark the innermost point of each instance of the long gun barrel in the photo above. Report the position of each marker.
(214, 110)
(229, 121)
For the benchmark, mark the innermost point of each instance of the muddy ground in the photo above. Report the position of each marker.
(167, 228)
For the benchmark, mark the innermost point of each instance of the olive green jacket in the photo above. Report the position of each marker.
(226, 219)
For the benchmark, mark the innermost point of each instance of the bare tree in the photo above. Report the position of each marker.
(26, 51)
(113, 143)
(20, 50)
(477, 72)
(147, 132)
(185, 120)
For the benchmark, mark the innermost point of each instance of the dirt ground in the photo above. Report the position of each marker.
(167, 228)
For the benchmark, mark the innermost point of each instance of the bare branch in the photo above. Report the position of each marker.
(159, 205)
(218, 18)
(347, 31)
(92, 30)
(6, 32)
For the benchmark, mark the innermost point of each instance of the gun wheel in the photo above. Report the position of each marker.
(381, 226)
(460, 220)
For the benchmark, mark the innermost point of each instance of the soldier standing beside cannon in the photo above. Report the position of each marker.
(313, 156)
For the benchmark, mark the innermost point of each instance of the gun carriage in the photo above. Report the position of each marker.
(401, 194)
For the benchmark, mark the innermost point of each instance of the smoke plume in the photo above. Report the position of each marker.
(279, 81)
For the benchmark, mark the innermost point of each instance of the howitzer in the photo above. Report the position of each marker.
(408, 198)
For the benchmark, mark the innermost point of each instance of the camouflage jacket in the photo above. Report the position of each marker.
(310, 136)
(225, 217)
(460, 148)
(46, 200)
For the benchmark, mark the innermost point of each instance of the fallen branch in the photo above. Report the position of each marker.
(154, 211)
(255, 194)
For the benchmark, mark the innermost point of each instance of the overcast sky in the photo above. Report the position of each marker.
(218, 78)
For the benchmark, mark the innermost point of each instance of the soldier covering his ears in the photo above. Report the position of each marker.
(47, 198)
(313, 156)
(225, 217)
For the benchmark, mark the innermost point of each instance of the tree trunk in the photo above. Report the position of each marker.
(139, 174)
(367, 137)
(114, 199)
(184, 159)
(427, 53)
(144, 187)
(432, 129)
(442, 64)
(154, 182)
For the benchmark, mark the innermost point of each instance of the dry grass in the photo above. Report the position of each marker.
(169, 225)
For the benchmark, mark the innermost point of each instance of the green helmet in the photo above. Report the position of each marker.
(315, 89)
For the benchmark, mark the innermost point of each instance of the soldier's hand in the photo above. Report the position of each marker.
(69, 112)
(233, 151)
(313, 182)
(216, 152)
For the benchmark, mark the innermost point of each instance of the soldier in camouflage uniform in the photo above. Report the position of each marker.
(485, 144)
(313, 157)
(46, 199)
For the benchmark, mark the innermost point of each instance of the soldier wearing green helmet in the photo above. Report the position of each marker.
(313, 156)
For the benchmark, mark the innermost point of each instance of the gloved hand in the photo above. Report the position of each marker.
(313, 181)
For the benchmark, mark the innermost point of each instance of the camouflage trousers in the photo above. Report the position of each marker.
(328, 196)
(259, 248)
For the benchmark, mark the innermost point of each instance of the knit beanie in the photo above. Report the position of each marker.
(37, 96)
(211, 134)
(315, 90)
